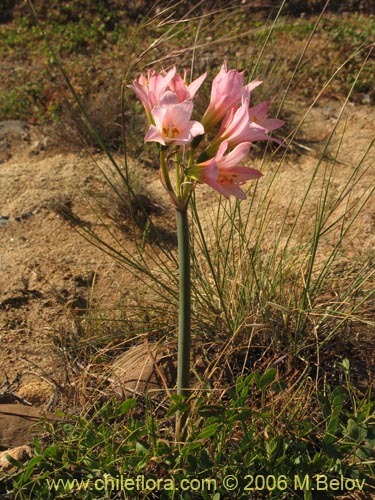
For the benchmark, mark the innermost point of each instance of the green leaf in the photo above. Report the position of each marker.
(307, 495)
(61, 413)
(355, 432)
(30, 467)
(127, 405)
(330, 450)
(364, 453)
(241, 416)
(141, 447)
(345, 366)
(257, 378)
(90, 438)
(211, 411)
(278, 386)
(209, 431)
(371, 437)
(204, 459)
(52, 451)
(267, 378)
(337, 397)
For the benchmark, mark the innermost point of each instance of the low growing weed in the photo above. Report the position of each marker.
(260, 437)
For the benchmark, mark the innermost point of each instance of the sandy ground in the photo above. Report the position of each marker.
(49, 272)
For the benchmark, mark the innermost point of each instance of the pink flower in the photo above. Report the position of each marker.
(227, 91)
(182, 90)
(223, 174)
(259, 118)
(246, 124)
(150, 89)
(171, 122)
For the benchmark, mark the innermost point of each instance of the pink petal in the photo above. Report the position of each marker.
(159, 83)
(168, 77)
(141, 94)
(272, 124)
(260, 111)
(179, 115)
(220, 152)
(251, 86)
(183, 138)
(177, 86)
(241, 174)
(168, 99)
(227, 119)
(154, 135)
(204, 172)
(218, 187)
(234, 157)
(227, 91)
(196, 128)
(158, 114)
(233, 190)
(194, 86)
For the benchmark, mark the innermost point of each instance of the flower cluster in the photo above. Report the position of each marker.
(168, 102)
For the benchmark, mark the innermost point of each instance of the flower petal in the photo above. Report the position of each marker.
(236, 155)
(169, 98)
(196, 128)
(194, 85)
(154, 135)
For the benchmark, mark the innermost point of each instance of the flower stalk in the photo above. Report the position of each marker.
(184, 314)
(184, 303)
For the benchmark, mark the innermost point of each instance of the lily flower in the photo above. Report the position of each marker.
(171, 122)
(246, 124)
(227, 91)
(149, 89)
(259, 118)
(222, 172)
(183, 90)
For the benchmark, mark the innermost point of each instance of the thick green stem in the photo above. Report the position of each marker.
(184, 311)
(165, 176)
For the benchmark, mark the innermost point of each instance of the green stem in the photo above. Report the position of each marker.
(165, 175)
(178, 177)
(184, 312)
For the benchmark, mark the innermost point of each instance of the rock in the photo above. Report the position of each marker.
(26, 215)
(37, 392)
(4, 219)
(20, 453)
(19, 424)
(14, 128)
(134, 372)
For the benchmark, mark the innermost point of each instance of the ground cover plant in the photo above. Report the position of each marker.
(279, 406)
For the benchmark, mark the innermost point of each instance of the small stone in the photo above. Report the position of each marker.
(38, 392)
(4, 219)
(366, 99)
(20, 453)
(26, 215)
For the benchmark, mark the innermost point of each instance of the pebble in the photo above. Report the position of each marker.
(20, 453)
(4, 219)
(366, 99)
